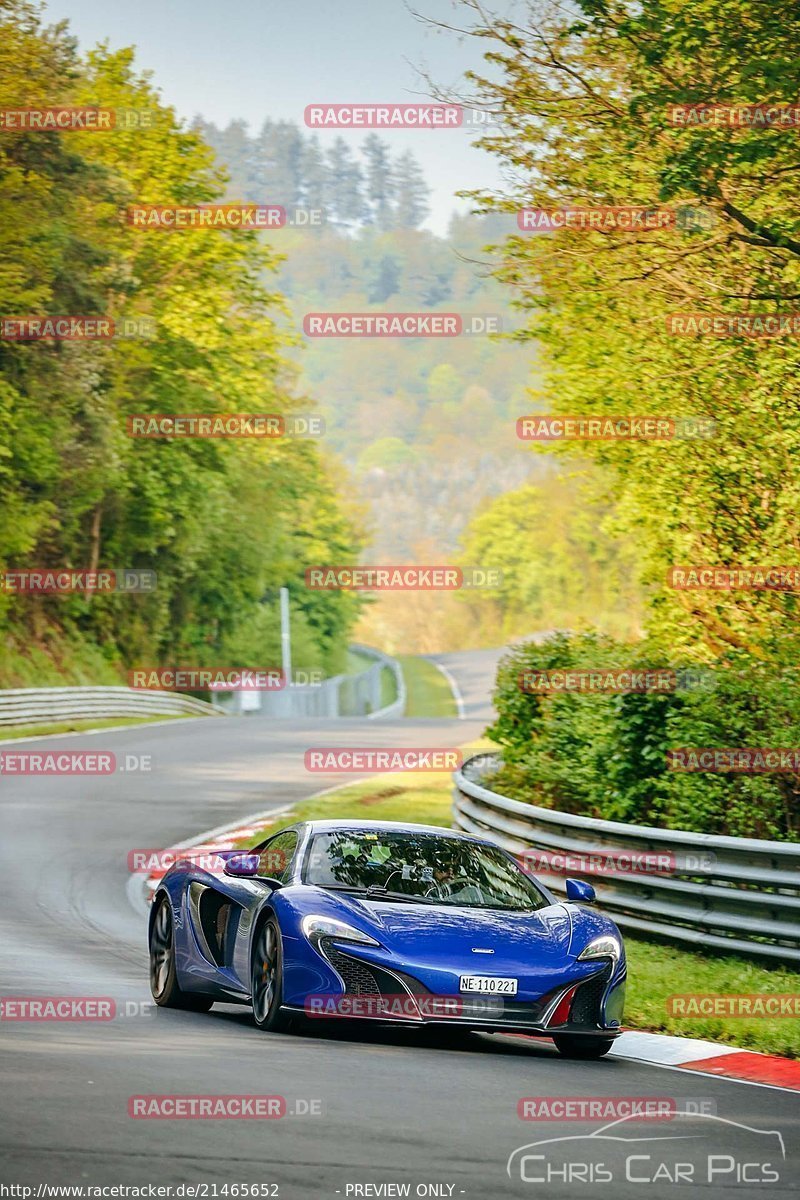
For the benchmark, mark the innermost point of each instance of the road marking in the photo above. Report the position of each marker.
(110, 729)
(773, 1087)
(454, 688)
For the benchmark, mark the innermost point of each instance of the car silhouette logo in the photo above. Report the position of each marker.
(614, 1132)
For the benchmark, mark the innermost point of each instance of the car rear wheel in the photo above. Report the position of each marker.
(266, 990)
(163, 975)
(582, 1047)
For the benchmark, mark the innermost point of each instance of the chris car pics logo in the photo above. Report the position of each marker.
(699, 1149)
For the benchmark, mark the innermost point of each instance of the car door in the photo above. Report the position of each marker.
(276, 861)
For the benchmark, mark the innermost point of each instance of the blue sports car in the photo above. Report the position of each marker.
(407, 924)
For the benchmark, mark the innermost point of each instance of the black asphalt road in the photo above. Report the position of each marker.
(366, 1109)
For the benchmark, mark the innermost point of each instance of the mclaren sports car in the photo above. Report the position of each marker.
(377, 921)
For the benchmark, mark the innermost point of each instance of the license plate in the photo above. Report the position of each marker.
(492, 985)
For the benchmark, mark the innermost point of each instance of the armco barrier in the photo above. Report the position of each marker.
(50, 706)
(727, 893)
(356, 695)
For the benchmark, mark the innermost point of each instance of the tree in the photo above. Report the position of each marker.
(221, 523)
(315, 183)
(380, 182)
(411, 192)
(585, 94)
(277, 164)
(345, 185)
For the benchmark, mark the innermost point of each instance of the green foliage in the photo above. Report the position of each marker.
(563, 566)
(223, 524)
(452, 403)
(585, 92)
(605, 755)
(387, 452)
(585, 124)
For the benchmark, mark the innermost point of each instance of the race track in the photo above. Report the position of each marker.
(393, 1108)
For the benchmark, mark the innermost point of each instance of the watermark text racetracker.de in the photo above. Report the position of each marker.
(760, 577)
(542, 427)
(614, 681)
(74, 328)
(57, 1008)
(734, 1004)
(60, 1009)
(610, 1108)
(391, 115)
(224, 425)
(735, 760)
(402, 1006)
(400, 324)
(51, 581)
(173, 218)
(722, 324)
(337, 759)
(626, 218)
(401, 578)
(712, 115)
(71, 762)
(198, 679)
(211, 1107)
(71, 118)
(211, 858)
(615, 862)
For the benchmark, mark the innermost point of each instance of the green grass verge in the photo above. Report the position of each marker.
(17, 731)
(355, 662)
(388, 687)
(429, 693)
(655, 971)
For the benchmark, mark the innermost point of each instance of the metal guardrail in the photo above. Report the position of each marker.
(384, 663)
(356, 695)
(49, 706)
(740, 895)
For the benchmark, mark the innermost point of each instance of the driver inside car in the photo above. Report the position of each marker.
(448, 883)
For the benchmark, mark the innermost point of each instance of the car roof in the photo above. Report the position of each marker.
(331, 826)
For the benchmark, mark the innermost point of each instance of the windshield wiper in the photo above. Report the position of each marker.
(342, 887)
(376, 891)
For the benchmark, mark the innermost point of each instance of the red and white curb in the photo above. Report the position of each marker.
(709, 1058)
(142, 887)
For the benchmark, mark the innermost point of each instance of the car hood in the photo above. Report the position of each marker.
(485, 937)
(438, 944)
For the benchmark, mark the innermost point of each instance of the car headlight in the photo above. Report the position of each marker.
(602, 947)
(316, 928)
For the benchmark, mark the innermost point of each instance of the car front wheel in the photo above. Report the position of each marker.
(582, 1047)
(266, 991)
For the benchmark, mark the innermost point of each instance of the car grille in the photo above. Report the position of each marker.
(358, 978)
(366, 979)
(588, 999)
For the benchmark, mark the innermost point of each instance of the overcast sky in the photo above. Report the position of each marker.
(270, 59)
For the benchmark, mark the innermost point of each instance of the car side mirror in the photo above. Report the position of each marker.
(579, 892)
(242, 866)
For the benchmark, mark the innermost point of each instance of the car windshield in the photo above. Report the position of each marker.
(419, 867)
